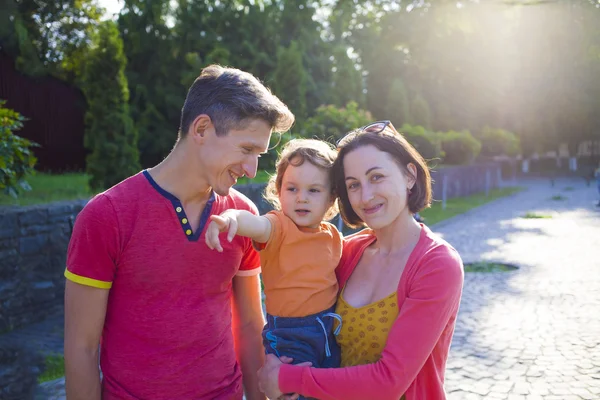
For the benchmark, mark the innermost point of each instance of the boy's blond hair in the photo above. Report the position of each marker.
(295, 152)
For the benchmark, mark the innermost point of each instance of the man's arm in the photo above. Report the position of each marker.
(248, 322)
(85, 309)
(237, 222)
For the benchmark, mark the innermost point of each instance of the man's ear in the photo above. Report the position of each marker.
(412, 174)
(199, 127)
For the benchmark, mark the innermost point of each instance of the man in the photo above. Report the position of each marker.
(177, 320)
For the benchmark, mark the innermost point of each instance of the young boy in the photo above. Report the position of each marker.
(299, 252)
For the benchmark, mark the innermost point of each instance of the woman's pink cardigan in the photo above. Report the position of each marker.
(414, 358)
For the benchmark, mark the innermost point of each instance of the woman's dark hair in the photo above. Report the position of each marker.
(393, 143)
(232, 98)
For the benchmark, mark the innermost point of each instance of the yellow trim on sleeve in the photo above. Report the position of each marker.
(82, 280)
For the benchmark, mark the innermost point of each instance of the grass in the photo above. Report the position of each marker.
(48, 187)
(569, 189)
(485, 266)
(533, 215)
(460, 205)
(261, 177)
(558, 197)
(54, 368)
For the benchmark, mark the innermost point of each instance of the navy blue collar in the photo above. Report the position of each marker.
(180, 212)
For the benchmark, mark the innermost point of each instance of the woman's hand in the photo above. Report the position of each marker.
(268, 377)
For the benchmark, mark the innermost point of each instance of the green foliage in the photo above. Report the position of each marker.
(51, 36)
(290, 78)
(426, 142)
(16, 158)
(420, 112)
(330, 123)
(262, 176)
(110, 134)
(347, 80)
(497, 142)
(411, 63)
(150, 74)
(397, 108)
(54, 368)
(459, 147)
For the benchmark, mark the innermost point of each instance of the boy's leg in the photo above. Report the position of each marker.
(335, 357)
(303, 339)
(296, 343)
(299, 343)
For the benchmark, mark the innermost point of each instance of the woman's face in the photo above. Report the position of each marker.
(377, 186)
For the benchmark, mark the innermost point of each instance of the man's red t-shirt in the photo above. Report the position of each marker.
(167, 333)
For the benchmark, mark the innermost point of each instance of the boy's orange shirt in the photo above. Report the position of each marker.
(298, 267)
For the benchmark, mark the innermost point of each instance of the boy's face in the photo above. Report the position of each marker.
(226, 158)
(305, 194)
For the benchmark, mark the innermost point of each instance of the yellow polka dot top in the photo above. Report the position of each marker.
(365, 329)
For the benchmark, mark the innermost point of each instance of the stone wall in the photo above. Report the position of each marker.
(18, 372)
(33, 243)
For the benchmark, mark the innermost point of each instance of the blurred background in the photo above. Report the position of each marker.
(495, 94)
(463, 80)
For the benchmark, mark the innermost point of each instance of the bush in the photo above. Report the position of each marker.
(460, 147)
(110, 134)
(16, 158)
(498, 142)
(426, 142)
(331, 123)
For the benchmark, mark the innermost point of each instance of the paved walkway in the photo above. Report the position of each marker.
(532, 333)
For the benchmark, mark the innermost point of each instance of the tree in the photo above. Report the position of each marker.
(155, 98)
(110, 134)
(298, 22)
(347, 80)
(397, 107)
(420, 113)
(49, 36)
(289, 79)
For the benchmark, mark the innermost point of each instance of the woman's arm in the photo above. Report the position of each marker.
(237, 222)
(433, 299)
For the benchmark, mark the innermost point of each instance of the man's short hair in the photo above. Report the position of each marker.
(232, 98)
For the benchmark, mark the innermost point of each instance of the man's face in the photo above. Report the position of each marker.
(226, 158)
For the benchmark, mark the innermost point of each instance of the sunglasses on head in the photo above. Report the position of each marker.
(373, 127)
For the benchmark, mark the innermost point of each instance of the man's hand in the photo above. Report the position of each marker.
(220, 223)
(268, 377)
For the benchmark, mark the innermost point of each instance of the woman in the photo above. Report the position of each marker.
(400, 284)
